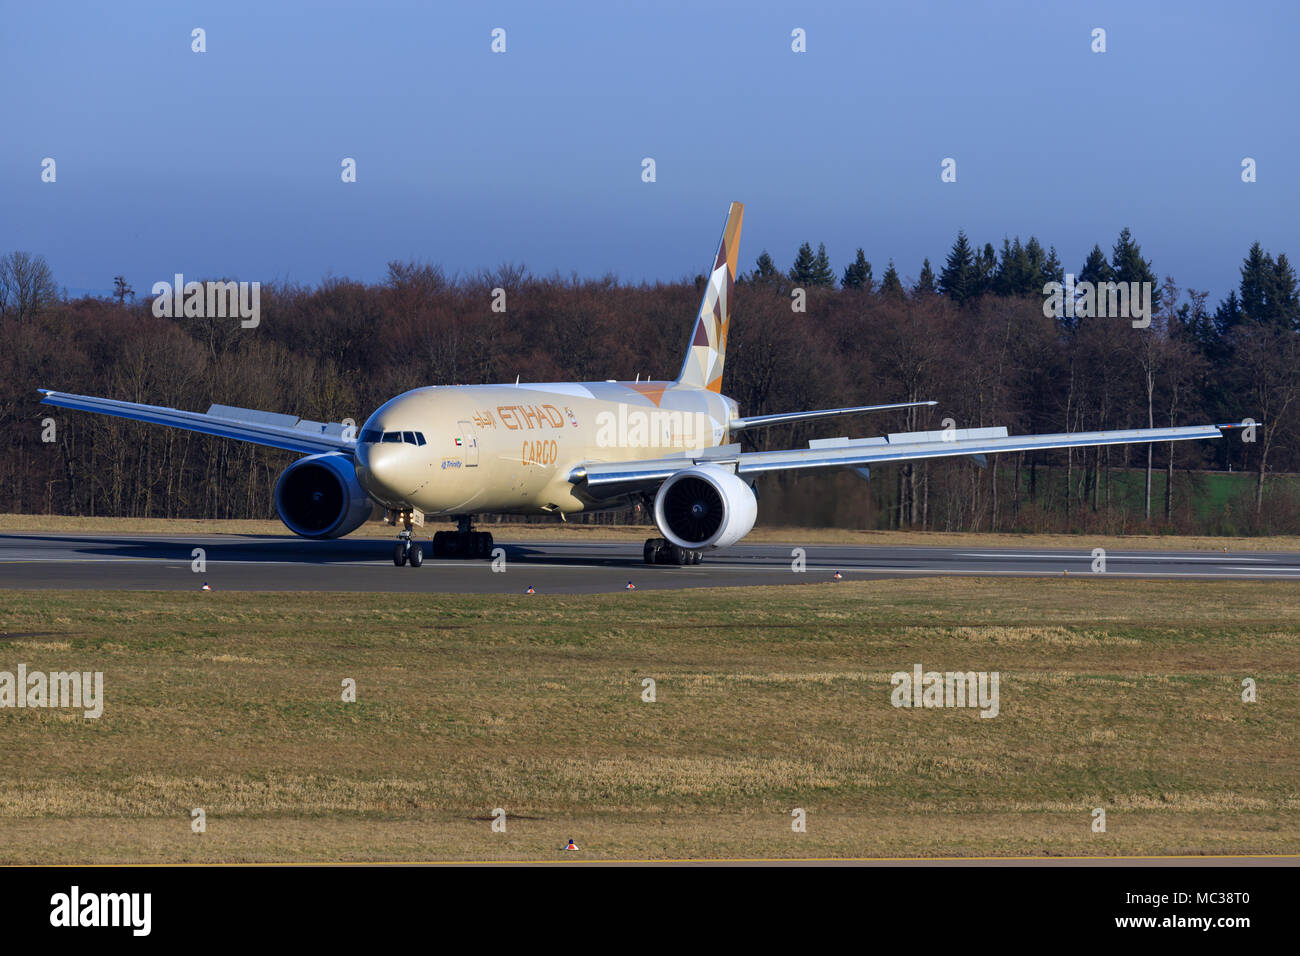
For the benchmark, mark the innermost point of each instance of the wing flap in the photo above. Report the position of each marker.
(762, 421)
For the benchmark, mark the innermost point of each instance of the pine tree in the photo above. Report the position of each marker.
(1228, 315)
(1126, 259)
(1286, 293)
(1034, 256)
(1096, 268)
(1256, 280)
(1016, 273)
(926, 284)
(801, 272)
(857, 275)
(890, 284)
(822, 273)
(986, 264)
(766, 267)
(1052, 270)
(958, 279)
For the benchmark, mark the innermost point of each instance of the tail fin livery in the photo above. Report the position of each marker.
(703, 365)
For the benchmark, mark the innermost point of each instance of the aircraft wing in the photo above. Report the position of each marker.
(609, 479)
(244, 424)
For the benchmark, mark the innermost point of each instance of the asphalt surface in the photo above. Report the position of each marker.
(287, 563)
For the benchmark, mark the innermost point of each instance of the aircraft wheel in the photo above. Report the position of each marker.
(697, 557)
(416, 556)
(654, 550)
(399, 554)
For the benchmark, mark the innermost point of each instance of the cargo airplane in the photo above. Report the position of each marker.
(557, 448)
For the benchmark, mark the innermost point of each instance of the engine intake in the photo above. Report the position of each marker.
(319, 497)
(706, 506)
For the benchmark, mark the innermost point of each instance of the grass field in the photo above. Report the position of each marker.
(573, 531)
(1114, 694)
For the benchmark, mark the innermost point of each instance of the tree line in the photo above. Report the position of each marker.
(973, 336)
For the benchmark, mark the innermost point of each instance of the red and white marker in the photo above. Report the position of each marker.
(530, 589)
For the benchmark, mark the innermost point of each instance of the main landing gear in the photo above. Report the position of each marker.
(464, 542)
(663, 551)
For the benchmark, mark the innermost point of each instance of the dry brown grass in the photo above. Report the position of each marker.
(1115, 694)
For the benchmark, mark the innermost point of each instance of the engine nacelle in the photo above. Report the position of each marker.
(706, 506)
(319, 497)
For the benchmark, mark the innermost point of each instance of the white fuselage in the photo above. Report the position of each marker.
(510, 449)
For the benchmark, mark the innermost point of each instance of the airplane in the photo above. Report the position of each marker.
(560, 448)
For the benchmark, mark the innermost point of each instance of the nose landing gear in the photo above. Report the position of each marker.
(407, 550)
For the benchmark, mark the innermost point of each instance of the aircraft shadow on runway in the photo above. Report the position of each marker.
(256, 548)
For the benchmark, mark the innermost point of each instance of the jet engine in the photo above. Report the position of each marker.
(706, 506)
(319, 497)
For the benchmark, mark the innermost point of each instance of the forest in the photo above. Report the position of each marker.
(972, 335)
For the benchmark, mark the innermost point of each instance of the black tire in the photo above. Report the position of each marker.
(651, 551)
(399, 554)
(697, 557)
(416, 557)
(439, 544)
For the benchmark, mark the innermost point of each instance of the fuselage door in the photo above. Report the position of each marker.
(469, 444)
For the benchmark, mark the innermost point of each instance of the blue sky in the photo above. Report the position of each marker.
(227, 163)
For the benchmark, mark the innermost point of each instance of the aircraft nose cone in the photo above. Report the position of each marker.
(379, 467)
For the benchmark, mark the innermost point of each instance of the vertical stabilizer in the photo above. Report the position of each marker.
(708, 348)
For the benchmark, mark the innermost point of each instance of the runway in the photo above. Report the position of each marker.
(287, 563)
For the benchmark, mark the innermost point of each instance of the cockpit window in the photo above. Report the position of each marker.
(393, 438)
